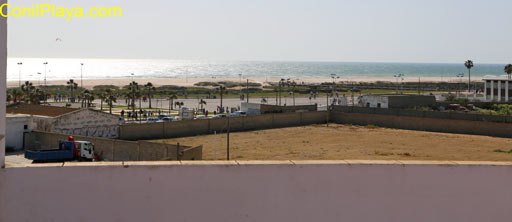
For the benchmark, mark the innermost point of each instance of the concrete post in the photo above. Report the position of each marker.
(499, 90)
(492, 90)
(3, 81)
(506, 90)
(485, 90)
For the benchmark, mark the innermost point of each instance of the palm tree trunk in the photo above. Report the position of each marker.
(110, 107)
(101, 105)
(221, 97)
(133, 104)
(469, 80)
(149, 97)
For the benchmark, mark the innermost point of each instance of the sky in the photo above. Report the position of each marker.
(440, 31)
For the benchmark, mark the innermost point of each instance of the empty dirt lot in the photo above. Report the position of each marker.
(318, 142)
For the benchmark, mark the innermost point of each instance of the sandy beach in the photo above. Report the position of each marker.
(90, 83)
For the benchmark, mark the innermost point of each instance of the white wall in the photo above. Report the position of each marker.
(87, 122)
(14, 136)
(3, 79)
(273, 191)
(374, 100)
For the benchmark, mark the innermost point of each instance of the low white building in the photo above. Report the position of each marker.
(396, 100)
(497, 88)
(22, 118)
(18, 125)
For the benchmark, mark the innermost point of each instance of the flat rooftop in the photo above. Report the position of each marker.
(38, 110)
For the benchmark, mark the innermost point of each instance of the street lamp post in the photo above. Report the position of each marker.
(39, 79)
(460, 76)
(19, 75)
(45, 64)
(398, 77)
(81, 75)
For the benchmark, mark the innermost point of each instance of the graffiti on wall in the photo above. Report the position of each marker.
(88, 123)
(96, 131)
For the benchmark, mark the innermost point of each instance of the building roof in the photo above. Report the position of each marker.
(492, 77)
(38, 110)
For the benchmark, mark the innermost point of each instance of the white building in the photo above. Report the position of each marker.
(497, 88)
(397, 100)
(22, 118)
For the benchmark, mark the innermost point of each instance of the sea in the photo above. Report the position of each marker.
(63, 69)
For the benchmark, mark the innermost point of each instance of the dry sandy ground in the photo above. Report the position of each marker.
(336, 142)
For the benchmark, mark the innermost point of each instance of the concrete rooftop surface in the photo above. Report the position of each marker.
(262, 162)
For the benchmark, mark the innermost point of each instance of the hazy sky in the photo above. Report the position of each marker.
(298, 30)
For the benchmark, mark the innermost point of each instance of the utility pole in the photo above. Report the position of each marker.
(247, 90)
(228, 141)
(280, 82)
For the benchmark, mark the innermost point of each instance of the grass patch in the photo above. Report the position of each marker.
(371, 126)
(502, 151)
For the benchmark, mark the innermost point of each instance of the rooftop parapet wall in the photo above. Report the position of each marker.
(347, 190)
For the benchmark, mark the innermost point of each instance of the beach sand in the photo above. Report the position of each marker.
(89, 83)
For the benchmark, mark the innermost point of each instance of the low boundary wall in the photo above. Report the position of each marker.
(118, 150)
(427, 114)
(425, 124)
(208, 126)
(269, 191)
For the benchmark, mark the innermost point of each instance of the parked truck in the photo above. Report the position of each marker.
(67, 150)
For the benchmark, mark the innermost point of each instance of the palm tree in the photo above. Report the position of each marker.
(293, 84)
(71, 85)
(28, 89)
(221, 89)
(202, 102)
(508, 70)
(150, 89)
(16, 94)
(179, 104)
(110, 99)
(133, 93)
(102, 96)
(469, 65)
(86, 98)
(171, 98)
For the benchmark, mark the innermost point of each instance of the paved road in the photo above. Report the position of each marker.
(211, 104)
(16, 159)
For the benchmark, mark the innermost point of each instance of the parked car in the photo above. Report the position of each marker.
(218, 116)
(167, 119)
(238, 113)
(152, 120)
